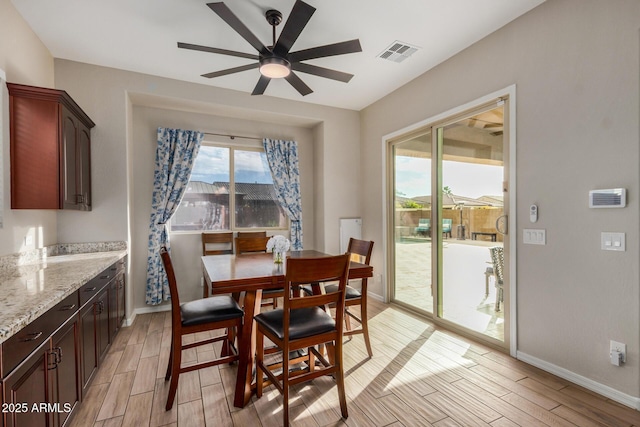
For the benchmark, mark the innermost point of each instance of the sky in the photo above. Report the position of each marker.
(212, 164)
(413, 178)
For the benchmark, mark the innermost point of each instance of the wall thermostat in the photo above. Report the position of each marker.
(533, 213)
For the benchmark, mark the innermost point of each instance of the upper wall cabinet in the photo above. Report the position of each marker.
(50, 150)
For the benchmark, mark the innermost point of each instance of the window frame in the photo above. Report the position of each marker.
(255, 146)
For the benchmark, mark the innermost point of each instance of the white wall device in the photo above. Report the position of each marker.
(533, 213)
(610, 198)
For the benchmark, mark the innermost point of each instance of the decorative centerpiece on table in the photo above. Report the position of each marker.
(278, 245)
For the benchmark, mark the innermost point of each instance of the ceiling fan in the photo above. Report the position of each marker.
(276, 61)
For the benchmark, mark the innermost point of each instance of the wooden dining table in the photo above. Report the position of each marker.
(251, 274)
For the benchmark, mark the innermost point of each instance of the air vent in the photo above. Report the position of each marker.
(612, 198)
(398, 51)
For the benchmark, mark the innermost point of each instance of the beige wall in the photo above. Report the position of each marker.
(25, 60)
(576, 68)
(575, 65)
(187, 247)
(120, 200)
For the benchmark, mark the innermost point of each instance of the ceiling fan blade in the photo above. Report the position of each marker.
(298, 19)
(298, 84)
(261, 86)
(216, 50)
(231, 70)
(351, 46)
(230, 18)
(322, 72)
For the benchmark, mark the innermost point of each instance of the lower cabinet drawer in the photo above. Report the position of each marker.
(19, 346)
(95, 285)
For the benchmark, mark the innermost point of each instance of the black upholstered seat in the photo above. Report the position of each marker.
(206, 310)
(305, 322)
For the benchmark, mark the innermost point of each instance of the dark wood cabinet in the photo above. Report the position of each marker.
(89, 339)
(50, 150)
(51, 361)
(26, 386)
(94, 326)
(64, 378)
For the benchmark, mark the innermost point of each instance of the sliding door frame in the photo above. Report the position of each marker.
(508, 95)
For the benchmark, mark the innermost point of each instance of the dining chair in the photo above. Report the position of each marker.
(217, 243)
(251, 234)
(446, 227)
(360, 251)
(304, 323)
(245, 245)
(251, 244)
(206, 314)
(497, 259)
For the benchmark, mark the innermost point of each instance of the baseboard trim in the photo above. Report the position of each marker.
(145, 310)
(601, 389)
(375, 296)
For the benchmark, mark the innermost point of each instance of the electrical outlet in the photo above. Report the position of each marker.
(619, 347)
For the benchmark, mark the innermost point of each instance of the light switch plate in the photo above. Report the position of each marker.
(612, 241)
(534, 236)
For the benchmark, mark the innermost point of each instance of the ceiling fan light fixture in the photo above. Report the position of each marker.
(275, 67)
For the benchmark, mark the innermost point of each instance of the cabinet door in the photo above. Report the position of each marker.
(102, 323)
(89, 343)
(113, 308)
(121, 299)
(65, 386)
(68, 167)
(84, 166)
(27, 386)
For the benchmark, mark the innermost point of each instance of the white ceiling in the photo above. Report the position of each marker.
(141, 36)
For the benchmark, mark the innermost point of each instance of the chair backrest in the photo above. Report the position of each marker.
(424, 222)
(217, 243)
(252, 234)
(497, 258)
(251, 244)
(446, 225)
(304, 271)
(173, 286)
(360, 250)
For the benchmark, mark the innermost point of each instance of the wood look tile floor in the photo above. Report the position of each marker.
(420, 375)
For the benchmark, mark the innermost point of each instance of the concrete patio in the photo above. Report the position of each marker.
(464, 262)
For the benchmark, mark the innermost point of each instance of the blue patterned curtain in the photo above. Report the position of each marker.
(283, 162)
(176, 152)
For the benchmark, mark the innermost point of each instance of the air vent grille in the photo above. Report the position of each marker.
(398, 51)
(611, 198)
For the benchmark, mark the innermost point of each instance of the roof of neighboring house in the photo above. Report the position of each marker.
(250, 191)
(451, 200)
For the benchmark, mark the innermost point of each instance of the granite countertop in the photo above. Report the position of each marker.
(28, 290)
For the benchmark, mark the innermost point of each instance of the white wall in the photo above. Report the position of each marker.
(25, 60)
(576, 68)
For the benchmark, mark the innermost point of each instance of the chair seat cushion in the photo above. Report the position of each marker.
(268, 292)
(213, 309)
(304, 322)
(350, 293)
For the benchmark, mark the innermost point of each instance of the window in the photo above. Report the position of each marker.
(230, 188)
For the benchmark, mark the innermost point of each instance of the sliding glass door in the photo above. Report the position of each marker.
(449, 254)
(472, 204)
(412, 221)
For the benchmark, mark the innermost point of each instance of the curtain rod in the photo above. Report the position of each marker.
(233, 136)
